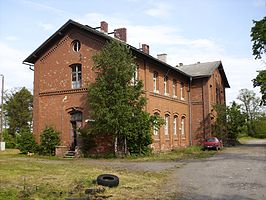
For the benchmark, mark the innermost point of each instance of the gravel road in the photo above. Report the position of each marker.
(238, 173)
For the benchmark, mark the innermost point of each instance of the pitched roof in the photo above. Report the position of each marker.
(32, 58)
(201, 70)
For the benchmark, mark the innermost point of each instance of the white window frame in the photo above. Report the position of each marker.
(174, 88)
(182, 91)
(155, 128)
(135, 77)
(76, 45)
(78, 76)
(165, 83)
(183, 126)
(175, 125)
(155, 79)
(166, 126)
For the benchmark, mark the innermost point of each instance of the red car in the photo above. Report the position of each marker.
(212, 143)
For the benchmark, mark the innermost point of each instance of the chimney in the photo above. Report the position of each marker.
(121, 34)
(104, 27)
(145, 48)
(162, 57)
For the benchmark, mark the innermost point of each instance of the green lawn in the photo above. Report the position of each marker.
(24, 177)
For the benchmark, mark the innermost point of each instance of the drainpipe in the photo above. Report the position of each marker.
(190, 112)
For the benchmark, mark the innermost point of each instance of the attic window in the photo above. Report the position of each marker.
(76, 45)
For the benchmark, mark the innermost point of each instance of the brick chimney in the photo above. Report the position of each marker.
(104, 26)
(145, 48)
(121, 34)
(162, 57)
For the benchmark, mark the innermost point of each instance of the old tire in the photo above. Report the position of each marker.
(108, 180)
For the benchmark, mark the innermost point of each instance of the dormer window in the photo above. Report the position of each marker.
(76, 45)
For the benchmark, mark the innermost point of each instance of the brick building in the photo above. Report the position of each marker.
(182, 95)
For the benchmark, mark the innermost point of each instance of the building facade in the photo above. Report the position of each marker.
(182, 95)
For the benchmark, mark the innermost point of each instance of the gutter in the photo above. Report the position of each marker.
(190, 112)
(31, 66)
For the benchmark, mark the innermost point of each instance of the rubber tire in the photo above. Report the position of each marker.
(108, 180)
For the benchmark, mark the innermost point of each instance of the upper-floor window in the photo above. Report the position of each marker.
(174, 88)
(155, 82)
(76, 45)
(166, 86)
(182, 91)
(76, 76)
(166, 126)
(135, 77)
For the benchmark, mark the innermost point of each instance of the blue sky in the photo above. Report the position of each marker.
(188, 31)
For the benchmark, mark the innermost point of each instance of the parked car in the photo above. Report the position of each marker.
(212, 143)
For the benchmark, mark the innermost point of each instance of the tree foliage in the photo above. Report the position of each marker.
(251, 108)
(116, 102)
(26, 142)
(18, 109)
(49, 140)
(258, 37)
(260, 81)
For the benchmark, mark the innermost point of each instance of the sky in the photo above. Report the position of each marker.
(188, 31)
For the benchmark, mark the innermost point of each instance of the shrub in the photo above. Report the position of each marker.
(26, 142)
(49, 140)
(9, 140)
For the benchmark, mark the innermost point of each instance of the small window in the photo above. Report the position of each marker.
(182, 91)
(76, 76)
(76, 45)
(166, 88)
(155, 82)
(135, 77)
(174, 88)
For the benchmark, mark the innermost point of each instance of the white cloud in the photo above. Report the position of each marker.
(159, 9)
(47, 26)
(16, 74)
(11, 38)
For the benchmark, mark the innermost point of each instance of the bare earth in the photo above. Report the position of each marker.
(238, 173)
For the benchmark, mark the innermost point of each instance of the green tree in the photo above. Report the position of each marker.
(260, 81)
(235, 121)
(251, 107)
(258, 37)
(18, 111)
(116, 101)
(49, 140)
(26, 142)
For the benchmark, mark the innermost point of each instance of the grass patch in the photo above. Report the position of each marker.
(193, 152)
(23, 177)
(244, 139)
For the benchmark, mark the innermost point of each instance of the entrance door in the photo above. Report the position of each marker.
(76, 122)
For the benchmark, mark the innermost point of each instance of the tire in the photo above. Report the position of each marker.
(108, 180)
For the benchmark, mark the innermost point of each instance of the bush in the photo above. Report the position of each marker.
(49, 140)
(9, 140)
(26, 142)
(260, 128)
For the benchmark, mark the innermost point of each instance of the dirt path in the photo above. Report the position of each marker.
(237, 173)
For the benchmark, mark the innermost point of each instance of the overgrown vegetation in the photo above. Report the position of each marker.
(116, 100)
(49, 140)
(26, 142)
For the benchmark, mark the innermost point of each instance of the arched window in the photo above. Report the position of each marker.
(183, 133)
(76, 76)
(175, 125)
(166, 126)
(155, 126)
